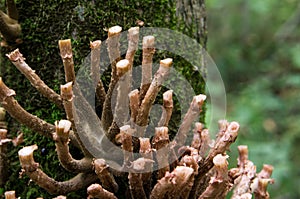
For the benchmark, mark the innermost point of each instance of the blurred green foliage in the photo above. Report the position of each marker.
(256, 46)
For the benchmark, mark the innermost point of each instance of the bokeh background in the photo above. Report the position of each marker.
(256, 46)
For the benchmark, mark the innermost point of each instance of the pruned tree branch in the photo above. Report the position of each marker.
(31, 168)
(19, 61)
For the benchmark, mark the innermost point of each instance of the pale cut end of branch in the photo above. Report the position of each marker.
(223, 124)
(148, 42)
(178, 183)
(96, 191)
(115, 30)
(233, 128)
(198, 127)
(95, 44)
(5, 91)
(122, 67)
(198, 101)
(133, 32)
(168, 98)
(161, 134)
(221, 165)
(167, 108)
(15, 56)
(10, 195)
(65, 48)
(266, 171)
(60, 197)
(145, 146)
(223, 143)
(243, 155)
(166, 62)
(196, 142)
(62, 129)
(189, 161)
(140, 165)
(182, 174)
(133, 39)
(220, 160)
(26, 157)
(66, 91)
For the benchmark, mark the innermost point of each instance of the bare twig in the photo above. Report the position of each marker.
(160, 143)
(107, 179)
(167, 108)
(31, 168)
(174, 185)
(219, 184)
(96, 191)
(146, 104)
(95, 72)
(190, 116)
(148, 52)
(61, 138)
(19, 61)
(114, 56)
(16, 111)
(67, 58)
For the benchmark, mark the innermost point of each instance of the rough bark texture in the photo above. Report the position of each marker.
(3, 147)
(19, 61)
(31, 168)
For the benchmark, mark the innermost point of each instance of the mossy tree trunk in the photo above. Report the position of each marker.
(44, 23)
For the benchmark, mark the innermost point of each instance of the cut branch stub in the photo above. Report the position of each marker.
(176, 184)
(107, 179)
(125, 138)
(148, 52)
(133, 41)
(134, 105)
(62, 130)
(95, 72)
(61, 138)
(219, 184)
(67, 57)
(113, 46)
(31, 168)
(19, 61)
(160, 143)
(167, 108)
(146, 104)
(10, 195)
(26, 158)
(66, 92)
(96, 191)
(190, 116)
(16, 111)
(121, 111)
(95, 60)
